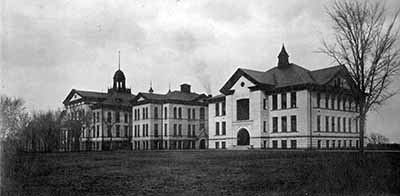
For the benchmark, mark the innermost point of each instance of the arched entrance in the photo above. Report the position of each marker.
(243, 138)
(203, 144)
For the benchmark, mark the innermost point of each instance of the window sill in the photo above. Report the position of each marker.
(285, 132)
(284, 109)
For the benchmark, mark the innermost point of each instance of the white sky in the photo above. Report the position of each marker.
(49, 47)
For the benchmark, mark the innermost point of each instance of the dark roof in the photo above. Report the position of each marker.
(101, 98)
(88, 95)
(172, 97)
(280, 77)
(117, 99)
(217, 98)
(119, 76)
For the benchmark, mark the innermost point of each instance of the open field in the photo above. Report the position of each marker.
(203, 173)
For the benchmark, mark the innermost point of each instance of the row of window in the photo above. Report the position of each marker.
(146, 145)
(220, 111)
(223, 145)
(145, 113)
(342, 103)
(96, 117)
(284, 145)
(125, 132)
(337, 124)
(177, 113)
(145, 130)
(223, 128)
(177, 130)
(284, 104)
(337, 144)
(293, 124)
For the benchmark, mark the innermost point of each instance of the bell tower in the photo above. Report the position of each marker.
(283, 58)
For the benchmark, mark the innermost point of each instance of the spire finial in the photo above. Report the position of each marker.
(283, 57)
(151, 87)
(169, 87)
(119, 60)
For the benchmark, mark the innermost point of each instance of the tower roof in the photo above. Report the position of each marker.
(119, 76)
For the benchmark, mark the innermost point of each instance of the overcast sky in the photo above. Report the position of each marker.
(49, 47)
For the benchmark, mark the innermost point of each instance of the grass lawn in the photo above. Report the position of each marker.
(202, 173)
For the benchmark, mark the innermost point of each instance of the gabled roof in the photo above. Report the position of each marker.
(287, 76)
(171, 97)
(88, 95)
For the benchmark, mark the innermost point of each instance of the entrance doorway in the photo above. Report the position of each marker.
(243, 138)
(203, 144)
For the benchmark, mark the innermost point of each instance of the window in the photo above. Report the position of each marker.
(357, 144)
(327, 143)
(180, 113)
(344, 104)
(333, 102)
(318, 100)
(319, 144)
(344, 124)
(147, 130)
(274, 144)
(264, 103)
(283, 101)
(349, 125)
(327, 123)
(117, 130)
(223, 128)
(223, 145)
(188, 112)
(165, 130)
(284, 124)
(293, 144)
(242, 110)
(333, 123)
(265, 126)
(344, 144)
(326, 101)
(180, 129)
(175, 116)
(293, 99)
(202, 114)
(265, 144)
(156, 112)
(144, 113)
(338, 124)
(223, 107)
(194, 130)
(194, 113)
(339, 144)
(155, 130)
(109, 117)
(333, 144)
(293, 123)
(217, 109)
(216, 145)
(189, 130)
(350, 143)
(217, 128)
(274, 124)
(98, 117)
(318, 123)
(274, 102)
(175, 130)
(126, 130)
(356, 121)
(109, 131)
(98, 130)
(165, 113)
(284, 144)
(117, 117)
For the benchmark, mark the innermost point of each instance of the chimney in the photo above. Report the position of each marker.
(185, 88)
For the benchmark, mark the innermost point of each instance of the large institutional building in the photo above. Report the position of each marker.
(284, 107)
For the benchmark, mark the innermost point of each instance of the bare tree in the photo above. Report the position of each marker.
(376, 138)
(366, 41)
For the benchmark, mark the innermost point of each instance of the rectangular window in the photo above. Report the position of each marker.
(217, 109)
(194, 130)
(217, 128)
(180, 113)
(117, 117)
(333, 102)
(109, 117)
(284, 124)
(339, 144)
(293, 144)
(202, 114)
(165, 113)
(175, 113)
(242, 109)
(216, 145)
(175, 130)
(126, 128)
(293, 99)
(349, 125)
(223, 128)
(356, 125)
(293, 123)
(126, 118)
(283, 144)
(327, 143)
(265, 126)
(117, 127)
(165, 130)
(333, 144)
(189, 131)
(194, 113)
(223, 145)
(344, 124)
(350, 143)
(327, 123)
(180, 129)
(143, 130)
(326, 101)
(109, 131)
(274, 102)
(274, 144)
(264, 103)
(155, 130)
(189, 113)
(156, 112)
(318, 100)
(333, 124)
(274, 124)
(98, 117)
(318, 123)
(223, 107)
(144, 113)
(338, 103)
(283, 101)
(338, 124)
(319, 144)
(344, 104)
